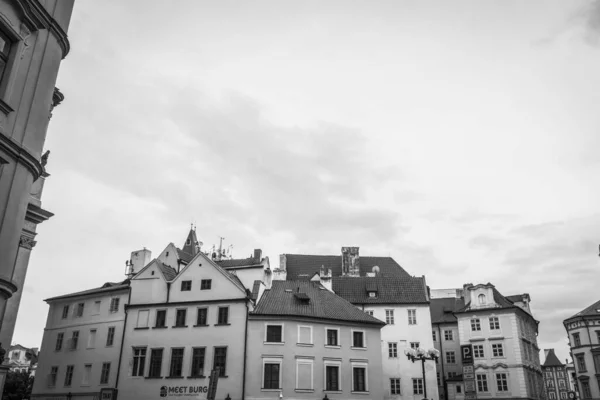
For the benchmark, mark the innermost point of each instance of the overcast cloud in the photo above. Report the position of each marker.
(460, 138)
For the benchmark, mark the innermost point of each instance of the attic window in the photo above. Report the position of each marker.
(302, 297)
(481, 299)
(372, 294)
(152, 273)
(188, 242)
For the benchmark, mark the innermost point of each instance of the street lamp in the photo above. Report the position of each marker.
(422, 355)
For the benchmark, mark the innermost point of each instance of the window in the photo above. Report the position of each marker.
(161, 319)
(274, 334)
(434, 336)
(114, 304)
(332, 377)
(494, 323)
(142, 319)
(475, 324)
(220, 360)
(332, 337)
(370, 312)
(552, 396)
(417, 386)
(198, 354)
(450, 357)
(59, 341)
(87, 372)
(412, 317)
(105, 374)
(458, 389)
(585, 388)
(65, 313)
(74, 340)
(186, 286)
(448, 335)
(478, 351)
(358, 339)
(223, 318)
(576, 340)
(92, 339)
(271, 375)
(5, 44)
(389, 317)
(497, 350)
(393, 350)
(202, 317)
(110, 338)
(304, 374)
(139, 361)
(563, 396)
(359, 379)
(395, 386)
(156, 356)
(481, 299)
(69, 375)
(482, 384)
(176, 362)
(598, 336)
(502, 382)
(205, 284)
(79, 310)
(438, 379)
(561, 383)
(180, 317)
(451, 374)
(414, 345)
(581, 363)
(52, 376)
(304, 334)
(97, 305)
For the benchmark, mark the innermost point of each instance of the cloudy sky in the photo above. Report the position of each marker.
(460, 138)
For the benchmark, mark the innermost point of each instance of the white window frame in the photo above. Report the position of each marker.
(370, 312)
(110, 306)
(339, 338)
(97, 307)
(392, 348)
(498, 346)
(453, 356)
(298, 342)
(146, 361)
(271, 360)
(475, 322)
(399, 386)
(84, 381)
(416, 345)
(332, 363)
(361, 364)
(409, 316)
(282, 335)
(451, 336)
(92, 343)
(364, 339)
(479, 347)
(137, 322)
(495, 318)
(305, 361)
(389, 316)
(507, 381)
(422, 386)
(487, 382)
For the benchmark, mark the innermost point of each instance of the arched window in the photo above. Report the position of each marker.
(481, 299)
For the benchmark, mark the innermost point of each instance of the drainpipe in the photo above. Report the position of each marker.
(245, 352)
(168, 290)
(123, 338)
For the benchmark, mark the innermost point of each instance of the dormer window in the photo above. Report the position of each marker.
(372, 294)
(481, 299)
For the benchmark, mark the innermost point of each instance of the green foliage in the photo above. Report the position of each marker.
(18, 386)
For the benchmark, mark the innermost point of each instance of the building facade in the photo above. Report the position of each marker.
(583, 330)
(82, 343)
(556, 380)
(33, 42)
(22, 359)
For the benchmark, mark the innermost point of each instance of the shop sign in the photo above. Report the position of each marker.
(183, 391)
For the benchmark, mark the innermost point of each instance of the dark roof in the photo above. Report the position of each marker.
(322, 303)
(457, 378)
(591, 310)
(168, 272)
(103, 289)
(190, 244)
(390, 289)
(240, 262)
(502, 301)
(442, 310)
(184, 256)
(552, 360)
(300, 266)
(255, 289)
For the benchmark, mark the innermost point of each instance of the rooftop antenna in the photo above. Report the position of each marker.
(220, 253)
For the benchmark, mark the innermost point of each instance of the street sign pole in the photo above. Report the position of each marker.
(466, 351)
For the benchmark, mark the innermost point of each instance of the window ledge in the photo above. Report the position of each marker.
(153, 377)
(331, 346)
(222, 324)
(269, 390)
(275, 343)
(201, 325)
(353, 392)
(332, 391)
(174, 377)
(305, 344)
(358, 348)
(140, 328)
(160, 327)
(197, 377)
(304, 390)
(179, 326)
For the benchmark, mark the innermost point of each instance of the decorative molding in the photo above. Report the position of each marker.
(7, 288)
(22, 156)
(25, 34)
(57, 98)
(36, 214)
(27, 242)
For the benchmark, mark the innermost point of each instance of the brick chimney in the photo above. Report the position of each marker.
(326, 278)
(282, 261)
(258, 254)
(350, 261)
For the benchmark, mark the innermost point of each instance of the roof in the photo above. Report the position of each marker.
(236, 279)
(499, 299)
(107, 287)
(301, 266)
(280, 300)
(240, 262)
(184, 256)
(256, 289)
(552, 360)
(190, 245)
(592, 310)
(168, 272)
(442, 309)
(390, 289)
(515, 298)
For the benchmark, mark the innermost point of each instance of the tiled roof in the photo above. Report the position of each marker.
(102, 289)
(183, 256)
(552, 360)
(390, 289)
(442, 309)
(240, 262)
(255, 289)
(236, 279)
(589, 311)
(300, 266)
(168, 272)
(500, 300)
(189, 247)
(322, 303)
(515, 298)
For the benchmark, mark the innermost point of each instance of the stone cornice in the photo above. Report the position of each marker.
(27, 242)
(36, 17)
(36, 214)
(22, 155)
(7, 288)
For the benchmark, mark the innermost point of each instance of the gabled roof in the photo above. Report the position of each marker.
(232, 277)
(390, 289)
(593, 310)
(499, 299)
(107, 287)
(240, 262)
(442, 309)
(168, 272)
(552, 360)
(322, 304)
(190, 245)
(184, 256)
(303, 266)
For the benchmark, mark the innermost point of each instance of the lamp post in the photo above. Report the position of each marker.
(422, 355)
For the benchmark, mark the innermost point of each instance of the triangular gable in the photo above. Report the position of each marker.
(155, 266)
(170, 256)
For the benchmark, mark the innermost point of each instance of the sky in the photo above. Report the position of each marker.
(460, 138)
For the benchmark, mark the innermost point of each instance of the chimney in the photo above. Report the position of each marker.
(282, 262)
(350, 261)
(326, 279)
(139, 259)
(258, 254)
